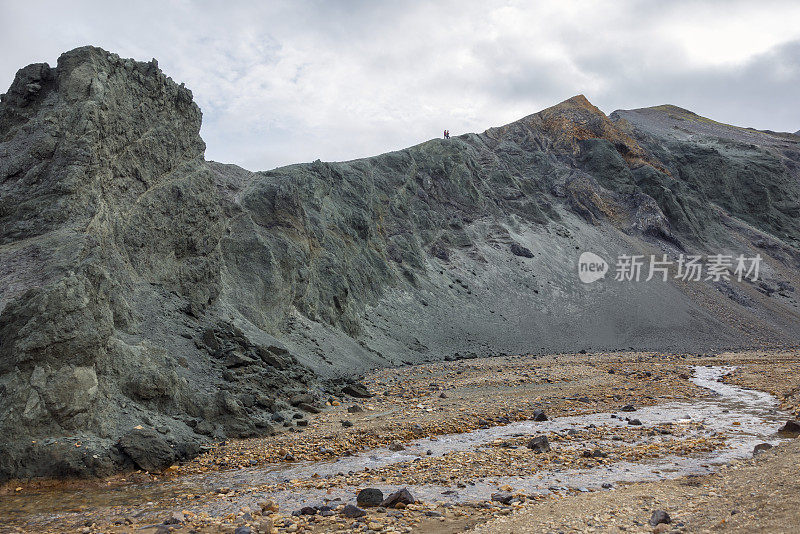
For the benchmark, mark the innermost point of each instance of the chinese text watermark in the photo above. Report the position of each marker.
(686, 267)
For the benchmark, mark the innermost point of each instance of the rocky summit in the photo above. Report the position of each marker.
(152, 302)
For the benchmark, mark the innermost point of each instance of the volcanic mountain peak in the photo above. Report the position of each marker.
(144, 286)
(673, 122)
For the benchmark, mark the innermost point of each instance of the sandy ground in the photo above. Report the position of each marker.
(753, 495)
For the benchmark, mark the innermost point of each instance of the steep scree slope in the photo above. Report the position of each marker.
(152, 301)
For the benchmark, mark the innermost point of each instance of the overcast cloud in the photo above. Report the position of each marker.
(284, 82)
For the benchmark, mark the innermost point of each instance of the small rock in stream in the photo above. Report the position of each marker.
(634, 422)
(369, 497)
(628, 408)
(402, 496)
(355, 409)
(503, 497)
(539, 444)
(352, 511)
(761, 447)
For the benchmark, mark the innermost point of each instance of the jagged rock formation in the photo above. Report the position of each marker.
(153, 301)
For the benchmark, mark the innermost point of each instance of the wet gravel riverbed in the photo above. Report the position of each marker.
(600, 435)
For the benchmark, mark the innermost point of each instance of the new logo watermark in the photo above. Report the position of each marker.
(591, 267)
(686, 267)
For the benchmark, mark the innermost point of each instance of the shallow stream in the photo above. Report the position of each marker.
(743, 417)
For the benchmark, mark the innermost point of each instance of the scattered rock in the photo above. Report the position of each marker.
(346, 423)
(503, 497)
(634, 422)
(352, 511)
(628, 408)
(308, 510)
(369, 497)
(358, 390)
(539, 444)
(355, 408)
(791, 428)
(148, 450)
(402, 496)
(301, 398)
(396, 446)
(658, 517)
(519, 250)
(310, 408)
(175, 518)
(268, 506)
(761, 447)
(539, 415)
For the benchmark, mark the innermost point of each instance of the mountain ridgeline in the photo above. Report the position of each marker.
(154, 301)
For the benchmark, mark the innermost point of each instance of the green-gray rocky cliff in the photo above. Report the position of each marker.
(152, 301)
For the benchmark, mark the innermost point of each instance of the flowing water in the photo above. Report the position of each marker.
(743, 417)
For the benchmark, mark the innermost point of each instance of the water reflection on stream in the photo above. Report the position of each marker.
(755, 412)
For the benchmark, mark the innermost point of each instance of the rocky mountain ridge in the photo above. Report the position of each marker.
(154, 302)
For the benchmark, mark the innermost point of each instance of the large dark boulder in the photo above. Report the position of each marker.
(147, 449)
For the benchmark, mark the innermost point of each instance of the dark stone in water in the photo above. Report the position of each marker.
(502, 497)
(539, 444)
(628, 408)
(761, 447)
(635, 422)
(369, 497)
(402, 496)
(352, 511)
(539, 415)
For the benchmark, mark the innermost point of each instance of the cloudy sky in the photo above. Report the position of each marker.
(283, 82)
